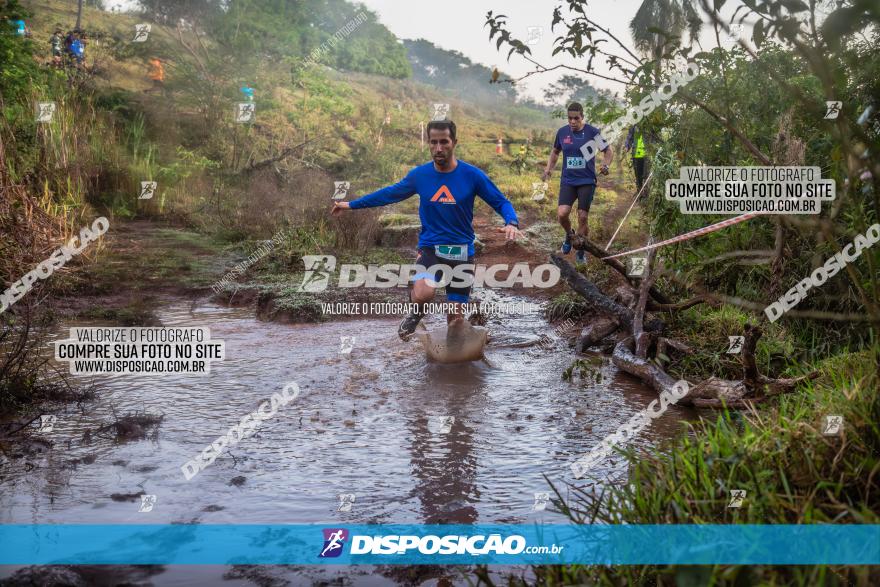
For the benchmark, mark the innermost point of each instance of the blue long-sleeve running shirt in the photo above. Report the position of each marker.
(446, 202)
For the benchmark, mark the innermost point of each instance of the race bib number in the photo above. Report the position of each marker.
(452, 252)
(575, 163)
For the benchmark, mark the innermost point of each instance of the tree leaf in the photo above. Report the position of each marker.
(758, 33)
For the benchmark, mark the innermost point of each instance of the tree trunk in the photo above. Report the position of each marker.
(79, 12)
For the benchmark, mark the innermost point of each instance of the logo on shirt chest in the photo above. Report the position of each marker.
(567, 140)
(443, 195)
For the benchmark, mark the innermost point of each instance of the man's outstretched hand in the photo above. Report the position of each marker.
(338, 207)
(510, 232)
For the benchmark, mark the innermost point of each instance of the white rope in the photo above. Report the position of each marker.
(644, 185)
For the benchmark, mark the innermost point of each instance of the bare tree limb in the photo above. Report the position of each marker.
(286, 152)
(584, 244)
(647, 281)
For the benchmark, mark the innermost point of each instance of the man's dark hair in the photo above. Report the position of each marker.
(575, 107)
(442, 125)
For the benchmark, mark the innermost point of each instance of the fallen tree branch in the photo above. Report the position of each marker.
(753, 379)
(598, 300)
(624, 359)
(658, 307)
(286, 152)
(713, 392)
(583, 244)
(663, 342)
(647, 281)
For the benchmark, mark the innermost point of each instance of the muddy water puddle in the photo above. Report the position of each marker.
(406, 441)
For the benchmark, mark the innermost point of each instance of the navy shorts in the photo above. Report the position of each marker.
(582, 193)
(428, 257)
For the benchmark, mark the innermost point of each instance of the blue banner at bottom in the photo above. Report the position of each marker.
(38, 544)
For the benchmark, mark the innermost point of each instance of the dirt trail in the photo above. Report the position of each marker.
(139, 263)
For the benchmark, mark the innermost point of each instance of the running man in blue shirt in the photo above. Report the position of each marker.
(447, 188)
(578, 181)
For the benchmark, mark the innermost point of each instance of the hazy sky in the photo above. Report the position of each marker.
(458, 24)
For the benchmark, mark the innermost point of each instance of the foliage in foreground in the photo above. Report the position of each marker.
(792, 474)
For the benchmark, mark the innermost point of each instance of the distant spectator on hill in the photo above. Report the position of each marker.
(78, 50)
(68, 42)
(57, 43)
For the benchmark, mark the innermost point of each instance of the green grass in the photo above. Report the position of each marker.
(707, 330)
(398, 219)
(792, 474)
(567, 305)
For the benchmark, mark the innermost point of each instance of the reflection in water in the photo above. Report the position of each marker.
(442, 451)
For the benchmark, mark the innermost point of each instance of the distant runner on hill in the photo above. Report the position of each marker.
(578, 181)
(157, 74)
(447, 188)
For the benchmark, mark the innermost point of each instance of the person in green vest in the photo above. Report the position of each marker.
(635, 140)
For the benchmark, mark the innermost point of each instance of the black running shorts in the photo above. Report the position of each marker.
(428, 257)
(582, 193)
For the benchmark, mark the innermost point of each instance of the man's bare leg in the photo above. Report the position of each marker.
(420, 293)
(583, 230)
(562, 214)
(583, 223)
